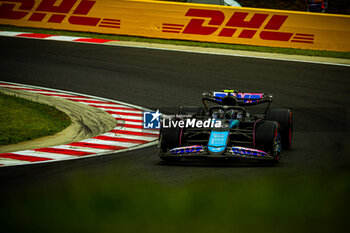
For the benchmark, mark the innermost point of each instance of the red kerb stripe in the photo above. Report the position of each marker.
(118, 131)
(34, 35)
(7, 84)
(107, 138)
(126, 120)
(23, 157)
(92, 40)
(117, 108)
(132, 126)
(124, 113)
(92, 101)
(64, 151)
(96, 146)
(59, 95)
(136, 127)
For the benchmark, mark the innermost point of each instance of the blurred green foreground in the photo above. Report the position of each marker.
(116, 204)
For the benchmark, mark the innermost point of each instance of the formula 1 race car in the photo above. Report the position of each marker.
(225, 129)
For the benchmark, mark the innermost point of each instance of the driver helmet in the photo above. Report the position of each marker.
(219, 114)
(233, 114)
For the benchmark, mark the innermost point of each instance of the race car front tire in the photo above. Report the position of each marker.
(284, 118)
(268, 139)
(169, 137)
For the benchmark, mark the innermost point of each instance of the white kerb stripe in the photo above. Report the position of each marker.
(121, 110)
(12, 161)
(63, 38)
(110, 143)
(127, 117)
(80, 148)
(11, 33)
(153, 131)
(44, 154)
(130, 122)
(108, 105)
(126, 136)
(76, 98)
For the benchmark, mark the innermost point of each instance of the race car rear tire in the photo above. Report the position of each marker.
(284, 118)
(191, 110)
(268, 139)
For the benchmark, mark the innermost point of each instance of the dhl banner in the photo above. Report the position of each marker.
(184, 21)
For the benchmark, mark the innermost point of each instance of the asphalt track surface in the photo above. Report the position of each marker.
(317, 94)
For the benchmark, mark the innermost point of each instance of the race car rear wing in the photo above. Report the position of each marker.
(234, 98)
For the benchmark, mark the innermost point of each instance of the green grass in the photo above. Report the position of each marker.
(22, 120)
(306, 52)
(93, 203)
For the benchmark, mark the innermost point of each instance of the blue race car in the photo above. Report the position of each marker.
(225, 129)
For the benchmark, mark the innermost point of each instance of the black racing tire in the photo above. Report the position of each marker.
(169, 138)
(284, 118)
(267, 138)
(191, 110)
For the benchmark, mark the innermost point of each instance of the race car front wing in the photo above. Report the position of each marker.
(230, 152)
